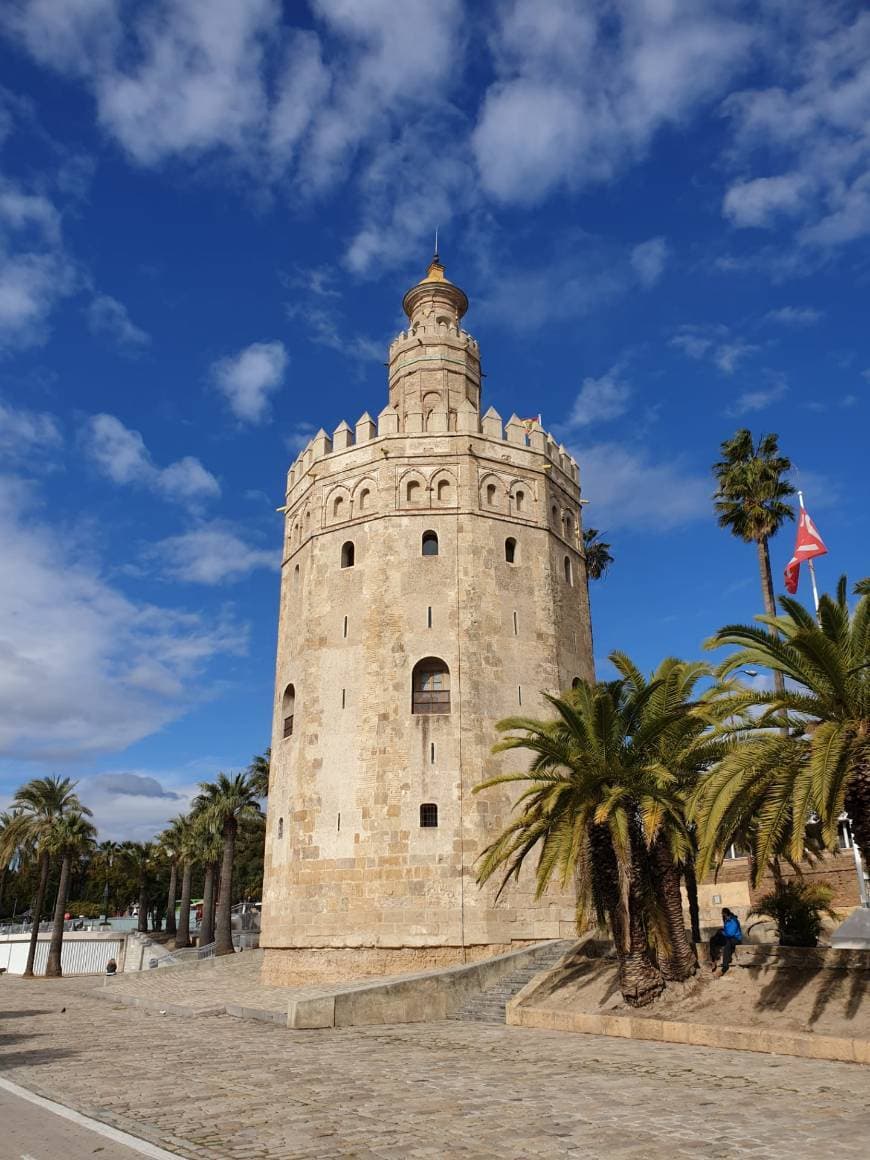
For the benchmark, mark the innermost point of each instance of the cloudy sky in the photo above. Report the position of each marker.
(209, 212)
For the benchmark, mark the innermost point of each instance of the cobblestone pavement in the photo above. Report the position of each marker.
(218, 1087)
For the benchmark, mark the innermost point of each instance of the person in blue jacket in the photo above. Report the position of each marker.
(725, 940)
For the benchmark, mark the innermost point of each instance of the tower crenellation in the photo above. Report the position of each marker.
(433, 582)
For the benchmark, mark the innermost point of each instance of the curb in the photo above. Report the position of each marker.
(798, 1044)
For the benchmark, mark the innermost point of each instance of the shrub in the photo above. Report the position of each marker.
(79, 909)
(797, 909)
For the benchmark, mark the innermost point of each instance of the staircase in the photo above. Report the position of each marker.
(489, 1006)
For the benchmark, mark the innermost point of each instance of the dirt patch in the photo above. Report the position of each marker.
(782, 996)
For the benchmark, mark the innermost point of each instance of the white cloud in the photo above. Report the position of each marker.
(627, 488)
(581, 90)
(599, 400)
(212, 554)
(121, 455)
(764, 200)
(83, 668)
(26, 434)
(716, 344)
(107, 316)
(247, 379)
(759, 399)
(795, 316)
(649, 260)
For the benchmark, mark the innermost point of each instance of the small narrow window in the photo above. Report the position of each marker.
(516, 624)
(343, 697)
(519, 694)
(430, 543)
(363, 502)
(296, 574)
(429, 617)
(413, 492)
(338, 508)
(344, 629)
(510, 550)
(431, 752)
(280, 827)
(347, 554)
(338, 823)
(288, 709)
(567, 565)
(576, 683)
(428, 815)
(442, 491)
(554, 512)
(519, 500)
(490, 494)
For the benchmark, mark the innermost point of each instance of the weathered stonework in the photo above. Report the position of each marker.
(348, 864)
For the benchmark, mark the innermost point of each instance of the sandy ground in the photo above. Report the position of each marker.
(827, 1002)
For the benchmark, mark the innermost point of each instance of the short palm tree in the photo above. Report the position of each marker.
(751, 496)
(170, 842)
(72, 836)
(140, 856)
(104, 863)
(597, 553)
(38, 805)
(224, 803)
(597, 803)
(209, 847)
(183, 829)
(774, 782)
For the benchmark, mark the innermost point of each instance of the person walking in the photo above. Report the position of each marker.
(725, 940)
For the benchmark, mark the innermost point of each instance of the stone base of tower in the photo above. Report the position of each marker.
(297, 966)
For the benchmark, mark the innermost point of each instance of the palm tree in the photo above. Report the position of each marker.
(821, 762)
(38, 805)
(187, 857)
(598, 802)
(170, 843)
(750, 497)
(597, 552)
(103, 862)
(258, 772)
(224, 803)
(6, 858)
(140, 855)
(209, 847)
(72, 835)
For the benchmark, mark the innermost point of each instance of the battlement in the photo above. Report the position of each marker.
(516, 432)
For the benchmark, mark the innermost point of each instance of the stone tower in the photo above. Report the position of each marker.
(433, 582)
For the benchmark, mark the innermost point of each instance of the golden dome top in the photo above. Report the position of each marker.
(436, 285)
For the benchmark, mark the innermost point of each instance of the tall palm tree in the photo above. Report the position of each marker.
(821, 762)
(171, 841)
(597, 802)
(103, 863)
(72, 835)
(140, 856)
(224, 803)
(597, 552)
(258, 772)
(38, 805)
(6, 857)
(209, 847)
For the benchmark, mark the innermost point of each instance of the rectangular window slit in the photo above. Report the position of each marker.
(432, 753)
(345, 626)
(520, 694)
(515, 624)
(338, 825)
(428, 617)
(343, 695)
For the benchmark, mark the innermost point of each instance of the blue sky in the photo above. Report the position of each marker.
(209, 212)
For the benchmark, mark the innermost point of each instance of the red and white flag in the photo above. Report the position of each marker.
(807, 545)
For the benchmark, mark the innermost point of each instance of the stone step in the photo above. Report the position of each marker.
(489, 1006)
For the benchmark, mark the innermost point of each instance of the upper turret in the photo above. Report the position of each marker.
(434, 364)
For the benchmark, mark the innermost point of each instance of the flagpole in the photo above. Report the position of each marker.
(810, 563)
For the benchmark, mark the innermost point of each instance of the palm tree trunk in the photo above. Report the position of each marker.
(206, 931)
(680, 962)
(769, 600)
(223, 937)
(170, 901)
(142, 925)
(182, 935)
(36, 915)
(52, 967)
(857, 803)
(691, 881)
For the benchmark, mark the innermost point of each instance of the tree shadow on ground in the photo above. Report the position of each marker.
(832, 985)
(12, 1059)
(25, 1014)
(582, 968)
(16, 1037)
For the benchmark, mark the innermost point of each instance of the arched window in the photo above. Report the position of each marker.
(510, 550)
(338, 508)
(428, 815)
(519, 500)
(296, 574)
(288, 709)
(554, 512)
(347, 554)
(443, 494)
(413, 491)
(430, 686)
(364, 497)
(430, 543)
(567, 565)
(576, 683)
(280, 827)
(490, 494)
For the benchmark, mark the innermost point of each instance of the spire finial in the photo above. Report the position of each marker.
(435, 255)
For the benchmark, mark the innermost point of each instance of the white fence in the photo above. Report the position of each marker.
(81, 955)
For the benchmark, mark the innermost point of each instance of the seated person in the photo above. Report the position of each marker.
(727, 939)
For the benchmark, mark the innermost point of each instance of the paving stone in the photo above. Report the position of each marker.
(219, 1088)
